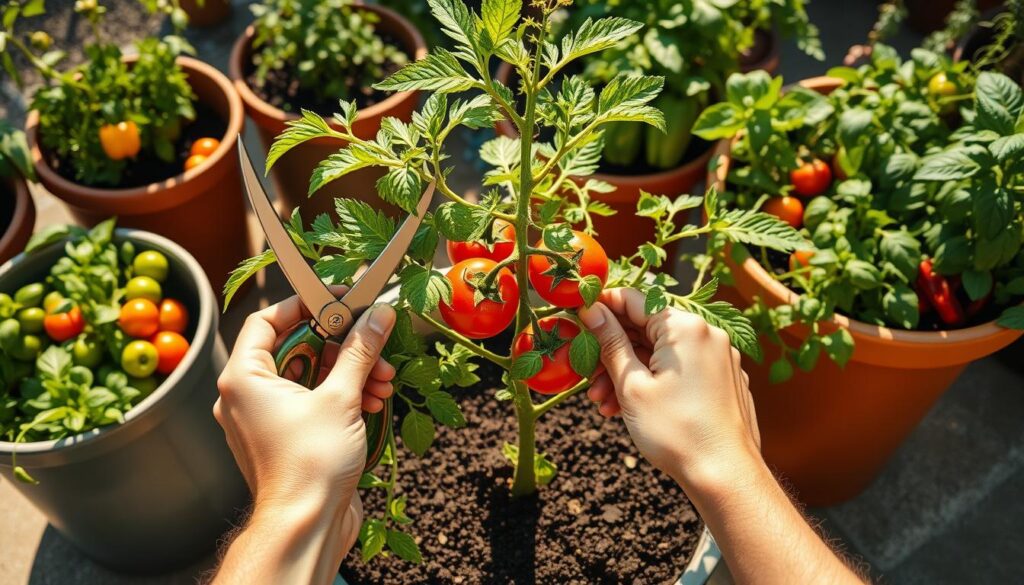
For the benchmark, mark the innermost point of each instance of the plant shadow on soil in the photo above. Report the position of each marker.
(608, 516)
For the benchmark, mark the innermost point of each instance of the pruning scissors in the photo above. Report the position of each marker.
(332, 317)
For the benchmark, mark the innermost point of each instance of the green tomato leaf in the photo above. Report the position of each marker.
(372, 537)
(584, 353)
(526, 365)
(417, 432)
(445, 410)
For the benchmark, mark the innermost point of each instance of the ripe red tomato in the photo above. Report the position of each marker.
(566, 294)
(556, 374)
(788, 209)
(139, 318)
(800, 259)
(811, 178)
(505, 244)
(173, 316)
(204, 146)
(171, 348)
(489, 317)
(63, 326)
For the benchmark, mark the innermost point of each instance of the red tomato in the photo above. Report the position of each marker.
(800, 259)
(139, 318)
(811, 178)
(503, 247)
(194, 161)
(788, 209)
(173, 316)
(566, 294)
(171, 349)
(204, 146)
(489, 317)
(63, 326)
(556, 374)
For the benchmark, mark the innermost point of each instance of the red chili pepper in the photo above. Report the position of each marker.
(940, 295)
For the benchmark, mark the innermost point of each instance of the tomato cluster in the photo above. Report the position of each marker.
(812, 178)
(486, 290)
(154, 325)
(200, 151)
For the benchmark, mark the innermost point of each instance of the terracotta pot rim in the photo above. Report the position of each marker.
(505, 128)
(22, 202)
(86, 196)
(242, 46)
(781, 294)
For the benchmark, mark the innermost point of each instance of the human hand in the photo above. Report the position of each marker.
(680, 390)
(294, 445)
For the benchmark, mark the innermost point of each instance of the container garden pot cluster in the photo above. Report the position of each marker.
(155, 147)
(377, 41)
(695, 48)
(494, 408)
(136, 474)
(866, 327)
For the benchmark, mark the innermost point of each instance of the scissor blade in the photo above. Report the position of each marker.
(369, 286)
(313, 293)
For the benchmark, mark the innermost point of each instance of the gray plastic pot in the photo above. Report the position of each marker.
(157, 491)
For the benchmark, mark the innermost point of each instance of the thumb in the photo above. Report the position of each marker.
(360, 352)
(617, 353)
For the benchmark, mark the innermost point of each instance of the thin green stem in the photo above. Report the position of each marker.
(466, 342)
(557, 399)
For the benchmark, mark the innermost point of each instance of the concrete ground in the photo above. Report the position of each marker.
(946, 509)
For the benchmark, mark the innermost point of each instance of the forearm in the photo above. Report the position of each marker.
(763, 537)
(295, 542)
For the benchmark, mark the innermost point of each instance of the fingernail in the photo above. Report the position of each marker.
(592, 317)
(382, 317)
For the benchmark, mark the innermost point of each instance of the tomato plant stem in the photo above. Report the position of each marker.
(557, 399)
(466, 342)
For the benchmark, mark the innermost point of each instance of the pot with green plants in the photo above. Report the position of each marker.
(146, 137)
(17, 211)
(905, 178)
(109, 356)
(307, 55)
(505, 381)
(694, 45)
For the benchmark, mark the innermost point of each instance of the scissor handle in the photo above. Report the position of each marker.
(306, 346)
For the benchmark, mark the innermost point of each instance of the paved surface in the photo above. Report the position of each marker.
(947, 508)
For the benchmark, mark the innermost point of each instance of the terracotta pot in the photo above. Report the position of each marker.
(830, 431)
(764, 55)
(14, 192)
(202, 209)
(624, 232)
(291, 173)
(206, 13)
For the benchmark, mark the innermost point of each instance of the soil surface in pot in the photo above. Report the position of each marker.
(608, 516)
(147, 168)
(282, 89)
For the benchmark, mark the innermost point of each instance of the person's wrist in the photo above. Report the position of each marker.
(711, 474)
(299, 502)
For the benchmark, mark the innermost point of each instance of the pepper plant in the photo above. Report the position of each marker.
(922, 226)
(521, 232)
(139, 107)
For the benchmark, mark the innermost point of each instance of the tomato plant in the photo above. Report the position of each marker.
(538, 184)
(921, 231)
(96, 117)
(482, 305)
(788, 209)
(66, 364)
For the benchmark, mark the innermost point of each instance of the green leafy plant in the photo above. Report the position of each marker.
(330, 48)
(928, 192)
(695, 45)
(14, 155)
(73, 105)
(531, 202)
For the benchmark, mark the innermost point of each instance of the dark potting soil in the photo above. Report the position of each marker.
(147, 168)
(608, 516)
(282, 89)
(6, 208)
(779, 264)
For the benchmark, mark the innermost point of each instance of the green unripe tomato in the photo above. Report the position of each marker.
(139, 359)
(28, 348)
(30, 295)
(31, 319)
(52, 300)
(145, 386)
(152, 264)
(10, 334)
(144, 287)
(87, 353)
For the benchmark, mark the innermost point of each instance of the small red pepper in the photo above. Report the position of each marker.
(939, 294)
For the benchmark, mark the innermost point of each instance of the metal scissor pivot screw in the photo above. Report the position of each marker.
(335, 321)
